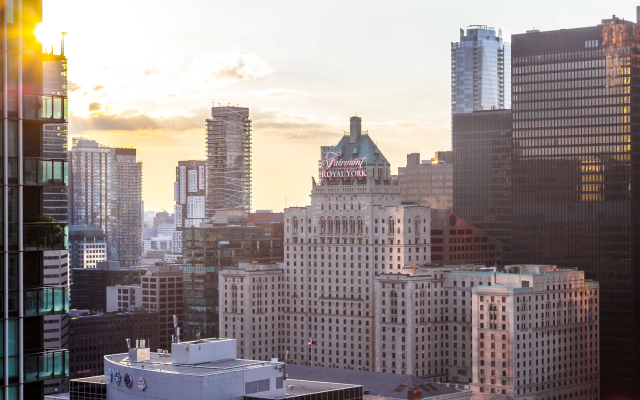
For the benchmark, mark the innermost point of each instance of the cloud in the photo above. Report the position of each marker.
(73, 86)
(278, 123)
(277, 92)
(150, 71)
(95, 107)
(97, 87)
(132, 120)
(237, 66)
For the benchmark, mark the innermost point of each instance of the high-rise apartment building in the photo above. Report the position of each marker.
(189, 191)
(106, 193)
(482, 172)
(228, 160)
(428, 183)
(480, 71)
(575, 186)
(26, 360)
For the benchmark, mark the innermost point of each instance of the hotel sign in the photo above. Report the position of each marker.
(333, 167)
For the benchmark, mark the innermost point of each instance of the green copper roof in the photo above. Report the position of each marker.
(362, 148)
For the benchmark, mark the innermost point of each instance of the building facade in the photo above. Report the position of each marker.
(480, 71)
(228, 160)
(207, 251)
(93, 336)
(162, 292)
(190, 189)
(87, 246)
(455, 241)
(428, 183)
(55, 139)
(89, 288)
(482, 172)
(27, 232)
(575, 192)
(106, 193)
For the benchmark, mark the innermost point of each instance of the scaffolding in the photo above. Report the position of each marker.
(228, 160)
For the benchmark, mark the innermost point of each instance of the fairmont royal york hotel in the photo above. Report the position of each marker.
(358, 290)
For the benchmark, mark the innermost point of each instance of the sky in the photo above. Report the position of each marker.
(145, 73)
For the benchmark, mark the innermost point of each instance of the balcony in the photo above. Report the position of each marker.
(45, 236)
(45, 108)
(48, 365)
(46, 301)
(44, 172)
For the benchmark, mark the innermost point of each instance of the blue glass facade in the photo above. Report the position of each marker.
(480, 71)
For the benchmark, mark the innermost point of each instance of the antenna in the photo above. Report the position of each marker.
(175, 325)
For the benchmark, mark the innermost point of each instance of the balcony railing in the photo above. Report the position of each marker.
(46, 301)
(45, 236)
(48, 365)
(43, 172)
(45, 107)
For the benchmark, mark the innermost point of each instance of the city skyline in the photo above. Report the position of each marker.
(299, 83)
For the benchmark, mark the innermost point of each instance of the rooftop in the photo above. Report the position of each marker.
(374, 383)
(162, 363)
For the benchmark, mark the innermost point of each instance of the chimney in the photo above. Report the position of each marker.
(356, 129)
(414, 393)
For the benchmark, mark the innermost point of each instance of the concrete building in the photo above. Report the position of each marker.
(158, 243)
(480, 71)
(87, 246)
(428, 183)
(228, 161)
(204, 369)
(106, 193)
(122, 298)
(162, 292)
(190, 190)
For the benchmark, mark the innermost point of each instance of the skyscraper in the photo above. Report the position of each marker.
(428, 183)
(482, 172)
(55, 139)
(189, 193)
(27, 232)
(106, 193)
(228, 160)
(480, 71)
(576, 190)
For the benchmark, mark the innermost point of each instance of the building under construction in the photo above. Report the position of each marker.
(228, 161)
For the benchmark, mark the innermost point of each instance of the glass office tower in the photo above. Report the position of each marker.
(576, 181)
(482, 172)
(480, 71)
(25, 300)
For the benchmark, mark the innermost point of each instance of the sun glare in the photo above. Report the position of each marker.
(47, 35)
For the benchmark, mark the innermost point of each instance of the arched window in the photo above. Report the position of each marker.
(345, 228)
(392, 225)
(295, 225)
(330, 225)
(352, 226)
(416, 226)
(337, 226)
(322, 225)
(360, 224)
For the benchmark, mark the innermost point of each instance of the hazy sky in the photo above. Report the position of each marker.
(144, 73)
